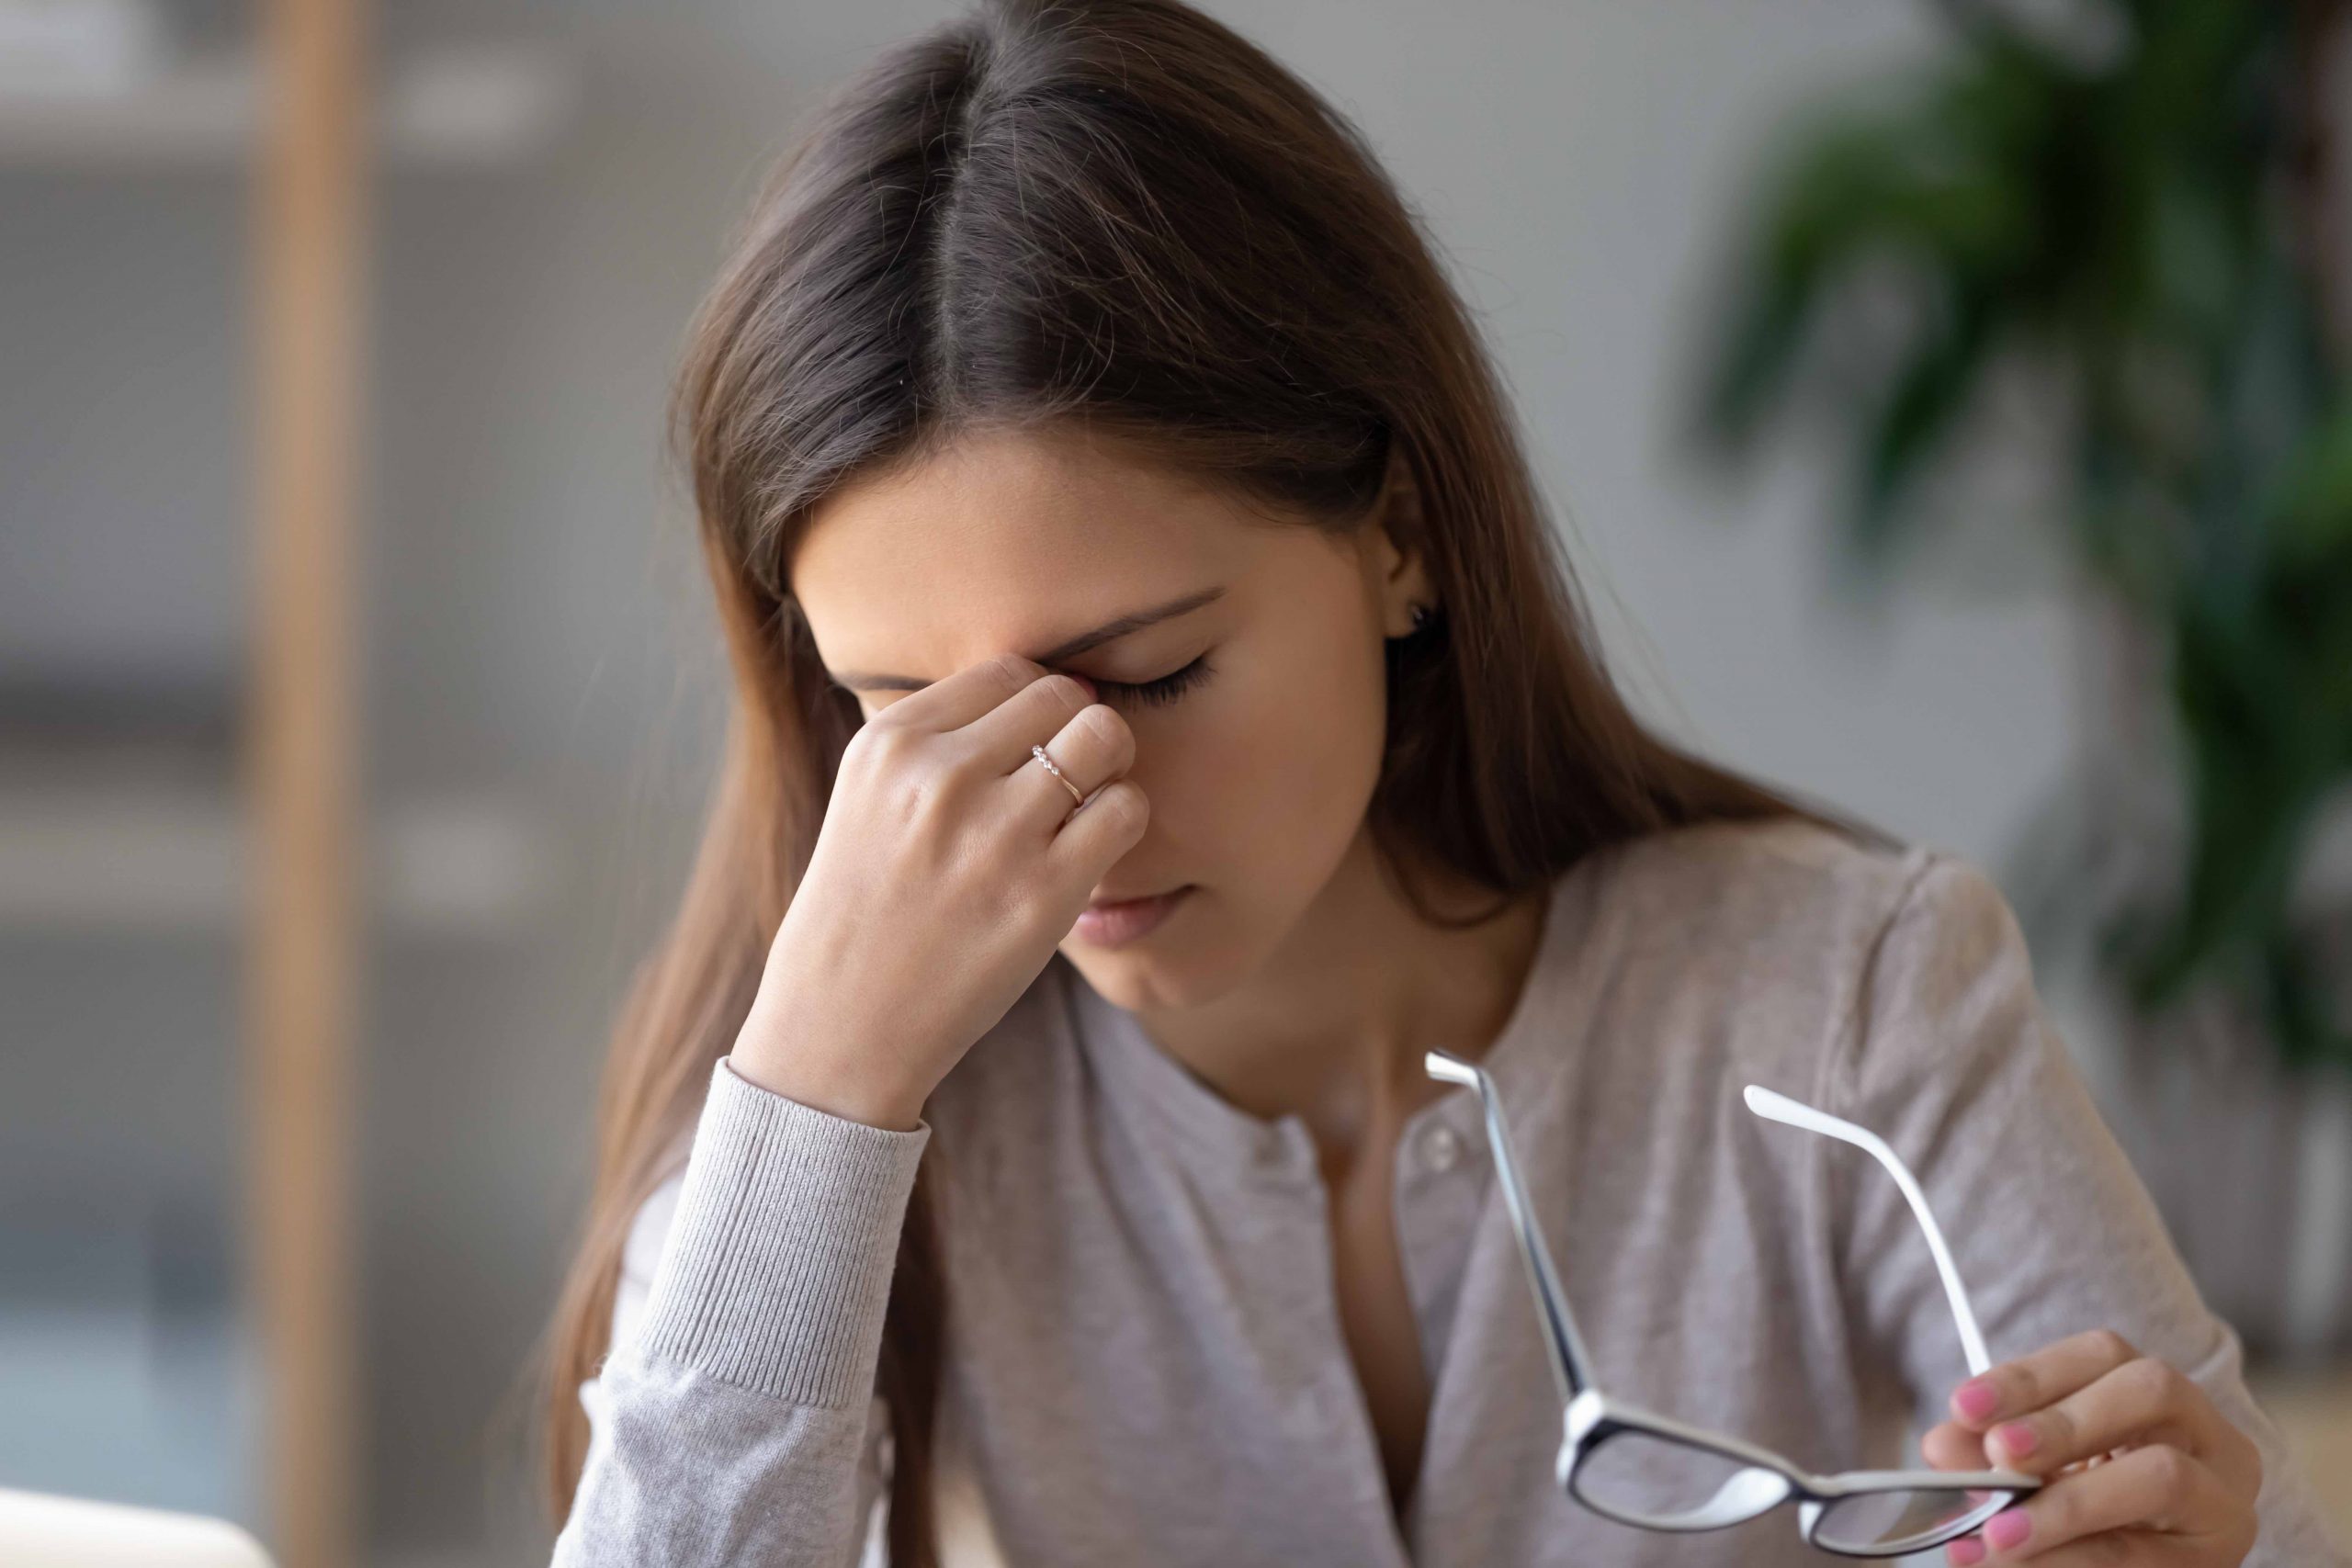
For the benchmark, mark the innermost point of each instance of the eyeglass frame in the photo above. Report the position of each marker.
(1589, 1417)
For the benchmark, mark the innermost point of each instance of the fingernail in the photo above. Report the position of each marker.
(1976, 1399)
(1966, 1551)
(2016, 1438)
(2008, 1527)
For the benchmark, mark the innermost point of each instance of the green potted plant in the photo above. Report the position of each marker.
(2132, 209)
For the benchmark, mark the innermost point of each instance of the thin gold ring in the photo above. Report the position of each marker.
(1075, 792)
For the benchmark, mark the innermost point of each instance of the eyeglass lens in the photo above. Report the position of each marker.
(1643, 1479)
(1907, 1521)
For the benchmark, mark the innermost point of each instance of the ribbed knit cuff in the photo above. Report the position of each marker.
(777, 1272)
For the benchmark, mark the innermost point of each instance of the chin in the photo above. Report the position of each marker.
(1145, 976)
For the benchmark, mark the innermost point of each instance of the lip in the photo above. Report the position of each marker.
(1112, 922)
(1107, 901)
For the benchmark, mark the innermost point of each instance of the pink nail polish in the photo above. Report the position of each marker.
(2008, 1527)
(1976, 1399)
(2016, 1438)
(1966, 1552)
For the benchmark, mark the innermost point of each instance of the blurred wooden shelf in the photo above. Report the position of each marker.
(263, 832)
(131, 855)
(478, 106)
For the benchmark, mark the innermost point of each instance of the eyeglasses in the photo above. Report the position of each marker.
(1646, 1470)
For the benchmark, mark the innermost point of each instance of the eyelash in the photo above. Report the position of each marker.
(1167, 689)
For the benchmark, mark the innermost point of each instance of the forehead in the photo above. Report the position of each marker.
(1008, 541)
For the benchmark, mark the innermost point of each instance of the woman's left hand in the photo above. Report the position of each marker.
(2139, 1466)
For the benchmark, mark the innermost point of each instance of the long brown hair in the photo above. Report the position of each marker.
(1121, 212)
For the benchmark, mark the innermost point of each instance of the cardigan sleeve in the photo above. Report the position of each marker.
(735, 1419)
(1953, 1061)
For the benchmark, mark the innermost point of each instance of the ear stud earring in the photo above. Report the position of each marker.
(1421, 615)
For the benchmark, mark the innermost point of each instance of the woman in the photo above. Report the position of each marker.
(1164, 715)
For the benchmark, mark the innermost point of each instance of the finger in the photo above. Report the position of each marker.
(954, 701)
(1093, 749)
(2137, 1549)
(1094, 838)
(2158, 1490)
(1030, 717)
(1948, 1445)
(2144, 1401)
(2049, 1374)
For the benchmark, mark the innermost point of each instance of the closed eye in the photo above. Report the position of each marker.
(1167, 689)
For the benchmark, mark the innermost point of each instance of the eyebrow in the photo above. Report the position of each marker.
(1109, 631)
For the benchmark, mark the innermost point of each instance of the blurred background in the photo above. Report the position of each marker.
(1945, 405)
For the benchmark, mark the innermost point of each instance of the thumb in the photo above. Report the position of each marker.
(1948, 1445)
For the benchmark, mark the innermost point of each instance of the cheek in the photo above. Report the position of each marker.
(1270, 774)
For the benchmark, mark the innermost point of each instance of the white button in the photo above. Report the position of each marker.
(1441, 1147)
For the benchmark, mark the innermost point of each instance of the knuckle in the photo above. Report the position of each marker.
(2151, 1381)
(2170, 1469)
(1104, 725)
(1010, 668)
(2109, 1546)
(2057, 1512)
(2110, 1346)
(2019, 1386)
(868, 752)
(881, 739)
(1125, 800)
(916, 798)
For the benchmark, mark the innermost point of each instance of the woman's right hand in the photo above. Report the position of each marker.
(949, 868)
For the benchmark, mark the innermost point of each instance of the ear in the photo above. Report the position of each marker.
(1395, 535)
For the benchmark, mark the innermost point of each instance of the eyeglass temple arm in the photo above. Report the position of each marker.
(1560, 1338)
(1779, 1107)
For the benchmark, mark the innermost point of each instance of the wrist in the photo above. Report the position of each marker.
(854, 1095)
